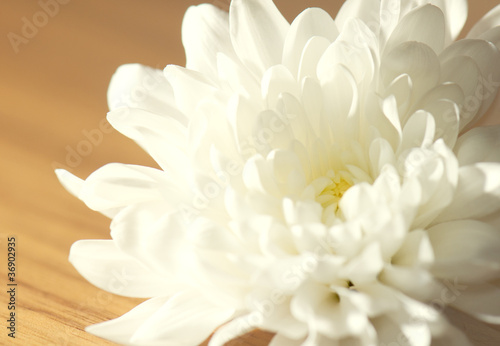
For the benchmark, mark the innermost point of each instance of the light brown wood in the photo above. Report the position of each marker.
(51, 91)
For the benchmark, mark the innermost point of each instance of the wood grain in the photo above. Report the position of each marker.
(51, 91)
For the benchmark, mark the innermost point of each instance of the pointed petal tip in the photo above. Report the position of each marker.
(70, 182)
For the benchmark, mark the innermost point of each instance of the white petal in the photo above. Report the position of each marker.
(233, 329)
(104, 265)
(190, 88)
(205, 32)
(187, 318)
(446, 115)
(280, 340)
(355, 49)
(138, 86)
(163, 137)
(236, 77)
(381, 154)
(465, 250)
(463, 71)
(415, 59)
(321, 308)
(257, 175)
(425, 24)
(154, 238)
(277, 80)
(401, 87)
(311, 22)
(412, 281)
(118, 185)
(121, 329)
(390, 12)
(340, 97)
(418, 131)
(311, 55)
(258, 32)
(478, 332)
(455, 12)
(365, 267)
(366, 11)
(416, 250)
(482, 302)
(477, 194)
(70, 182)
(182, 320)
(489, 21)
(477, 145)
(487, 57)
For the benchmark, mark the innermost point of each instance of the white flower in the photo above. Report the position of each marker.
(320, 180)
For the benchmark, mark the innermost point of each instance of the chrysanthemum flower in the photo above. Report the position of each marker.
(321, 180)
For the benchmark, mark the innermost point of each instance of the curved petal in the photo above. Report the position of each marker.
(118, 185)
(258, 32)
(425, 25)
(71, 183)
(467, 251)
(455, 12)
(416, 60)
(482, 302)
(487, 58)
(477, 194)
(477, 145)
(154, 238)
(367, 11)
(104, 265)
(311, 22)
(138, 86)
(163, 137)
(205, 32)
(184, 319)
(187, 318)
(190, 88)
(489, 21)
(280, 340)
(121, 329)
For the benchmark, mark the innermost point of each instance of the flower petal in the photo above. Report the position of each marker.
(425, 25)
(477, 194)
(121, 329)
(483, 302)
(311, 22)
(205, 32)
(138, 86)
(455, 12)
(190, 88)
(186, 318)
(118, 185)
(416, 60)
(488, 22)
(258, 32)
(467, 251)
(487, 58)
(163, 137)
(71, 183)
(477, 145)
(104, 265)
(366, 11)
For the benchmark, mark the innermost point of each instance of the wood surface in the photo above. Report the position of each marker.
(53, 89)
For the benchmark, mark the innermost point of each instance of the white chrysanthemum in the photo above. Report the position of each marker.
(319, 180)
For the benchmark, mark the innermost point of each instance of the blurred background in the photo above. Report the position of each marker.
(56, 59)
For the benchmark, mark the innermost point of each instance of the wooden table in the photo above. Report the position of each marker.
(52, 89)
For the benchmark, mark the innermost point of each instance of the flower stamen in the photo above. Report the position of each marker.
(337, 183)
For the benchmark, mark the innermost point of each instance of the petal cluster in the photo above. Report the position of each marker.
(322, 180)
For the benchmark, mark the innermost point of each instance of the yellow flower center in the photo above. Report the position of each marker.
(330, 190)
